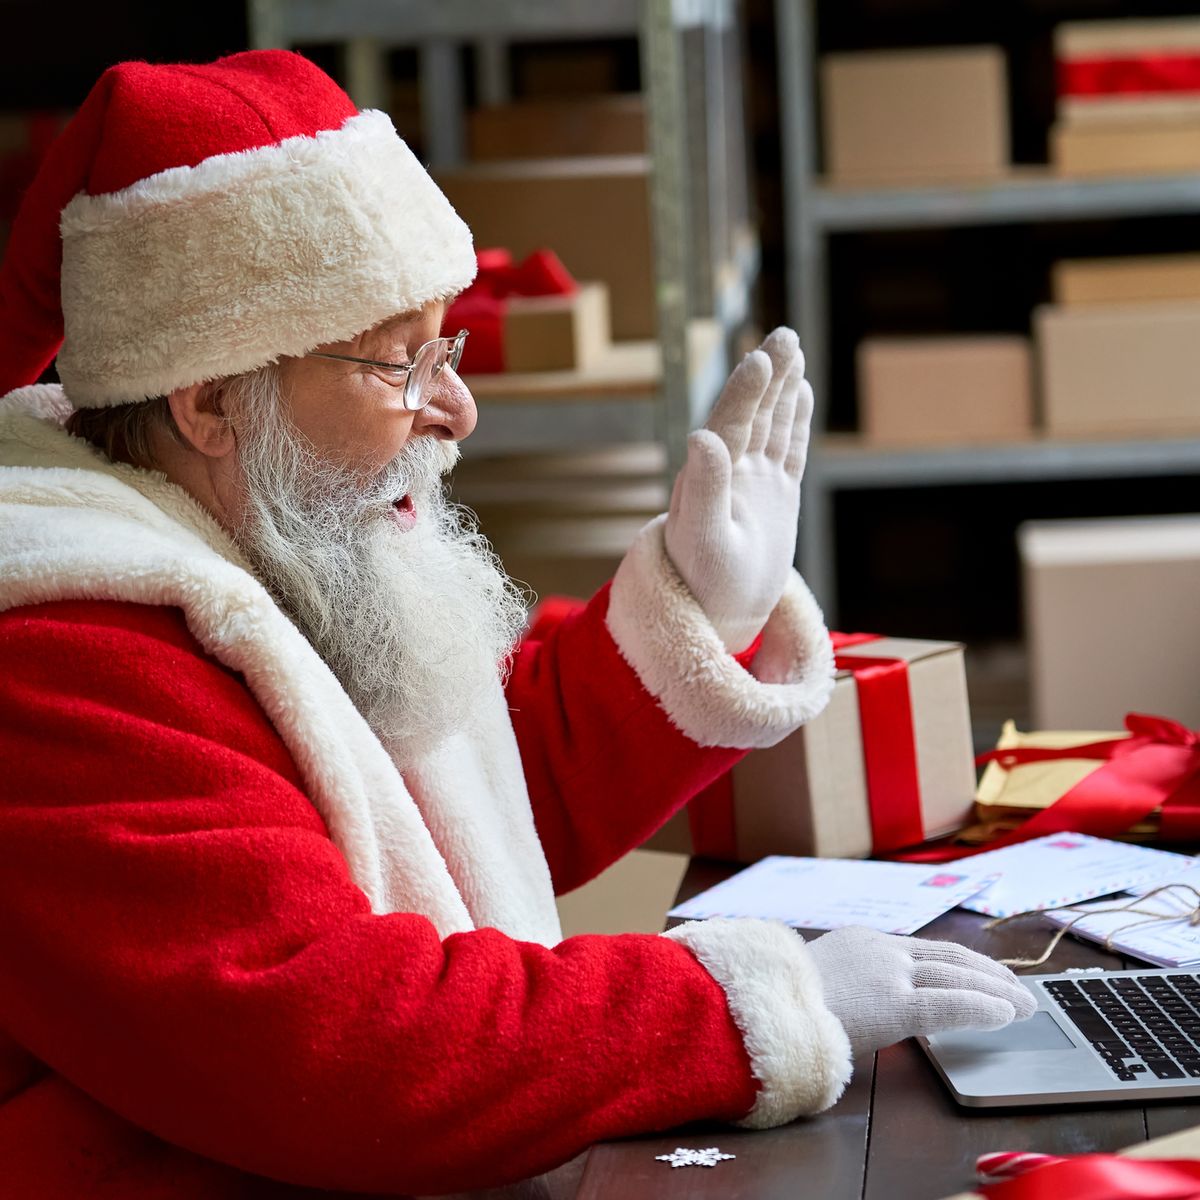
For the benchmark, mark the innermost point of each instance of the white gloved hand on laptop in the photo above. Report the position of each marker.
(884, 988)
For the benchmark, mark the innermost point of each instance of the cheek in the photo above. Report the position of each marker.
(354, 427)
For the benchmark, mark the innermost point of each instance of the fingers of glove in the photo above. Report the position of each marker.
(783, 418)
(733, 414)
(951, 1009)
(703, 484)
(797, 454)
(935, 975)
(764, 418)
(926, 950)
(781, 345)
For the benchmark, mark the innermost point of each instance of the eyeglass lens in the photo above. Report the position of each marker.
(427, 366)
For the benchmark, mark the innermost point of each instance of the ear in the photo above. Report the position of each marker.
(201, 419)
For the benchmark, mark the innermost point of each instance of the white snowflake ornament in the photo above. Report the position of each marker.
(693, 1158)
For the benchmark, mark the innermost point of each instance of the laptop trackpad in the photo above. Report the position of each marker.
(1040, 1032)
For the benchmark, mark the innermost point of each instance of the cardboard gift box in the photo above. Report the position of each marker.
(1133, 279)
(944, 389)
(529, 316)
(888, 764)
(1128, 369)
(557, 333)
(1112, 619)
(1134, 70)
(562, 128)
(594, 213)
(915, 115)
(1133, 785)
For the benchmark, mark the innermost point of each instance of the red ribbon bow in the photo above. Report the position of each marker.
(482, 307)
(1102, 1177)
(1157, 766)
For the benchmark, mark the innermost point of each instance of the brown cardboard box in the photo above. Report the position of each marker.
(808, 794)
(1128, 369)
(915, 115)
(557, 333)
(594, 213)
(944, 389)
(1125, 148)
(558, 128)
(631, 896)
(1112, 619)
(1083, 281)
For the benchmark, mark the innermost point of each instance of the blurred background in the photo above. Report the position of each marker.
(983, 218)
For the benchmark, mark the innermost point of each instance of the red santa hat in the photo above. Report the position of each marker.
(193, 222)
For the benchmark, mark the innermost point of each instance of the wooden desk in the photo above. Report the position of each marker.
(895, 1134)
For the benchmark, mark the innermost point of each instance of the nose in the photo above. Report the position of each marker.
(450, 414)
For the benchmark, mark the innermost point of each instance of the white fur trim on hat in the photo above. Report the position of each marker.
(206, 271)
(663, 634)
(798, 1049)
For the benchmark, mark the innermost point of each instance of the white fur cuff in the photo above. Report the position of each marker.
(798, 1050)
(663, 633)
(206, 271)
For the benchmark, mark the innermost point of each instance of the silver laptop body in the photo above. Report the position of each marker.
(1111, 1036)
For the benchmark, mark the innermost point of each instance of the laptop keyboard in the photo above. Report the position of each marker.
(1140, 1025)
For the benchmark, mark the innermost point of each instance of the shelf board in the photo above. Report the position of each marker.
(845, 461)
(1027, 194)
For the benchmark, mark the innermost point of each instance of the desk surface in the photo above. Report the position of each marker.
(896, 1134)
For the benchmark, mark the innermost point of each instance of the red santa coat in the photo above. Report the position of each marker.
(239, 944)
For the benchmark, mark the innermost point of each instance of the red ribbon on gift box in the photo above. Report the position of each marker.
(1102, 1177)
(1157, 766)
(889, 760)
(482, 307)
(889, 744)
(1130, 75)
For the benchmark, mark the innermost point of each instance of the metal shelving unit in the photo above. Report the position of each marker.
(689, 58)
(814, 211)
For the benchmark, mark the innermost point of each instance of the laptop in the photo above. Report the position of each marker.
(1120, 1035)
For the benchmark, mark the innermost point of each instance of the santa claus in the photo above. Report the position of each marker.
(285, 799)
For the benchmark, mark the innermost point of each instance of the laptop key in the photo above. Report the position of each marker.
(1165, 1069)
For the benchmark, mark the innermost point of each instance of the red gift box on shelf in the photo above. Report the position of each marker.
(1128, 97)
(529, 316)
(888, 764)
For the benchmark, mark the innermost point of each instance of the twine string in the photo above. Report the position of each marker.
(1190, 913)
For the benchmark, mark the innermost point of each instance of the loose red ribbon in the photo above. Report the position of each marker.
(1129, 75)
(1157, 766)
(889, 746)
(481, 308)
(1103, 1177)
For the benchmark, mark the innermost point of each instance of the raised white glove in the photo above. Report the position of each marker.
(884, 988)
(731, 528)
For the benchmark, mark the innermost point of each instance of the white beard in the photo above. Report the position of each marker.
(417, 625)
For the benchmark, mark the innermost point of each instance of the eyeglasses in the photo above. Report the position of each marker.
(417, 377)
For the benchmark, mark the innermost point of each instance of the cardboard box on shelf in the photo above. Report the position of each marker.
(594, 213)
(809, 794)
(915, 115)
(944, 389)
(557, 333)
(562, 128)
(1112, 621)
(1077, 282)
(1130, 70)
(1126, 147)
(1119, 369)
